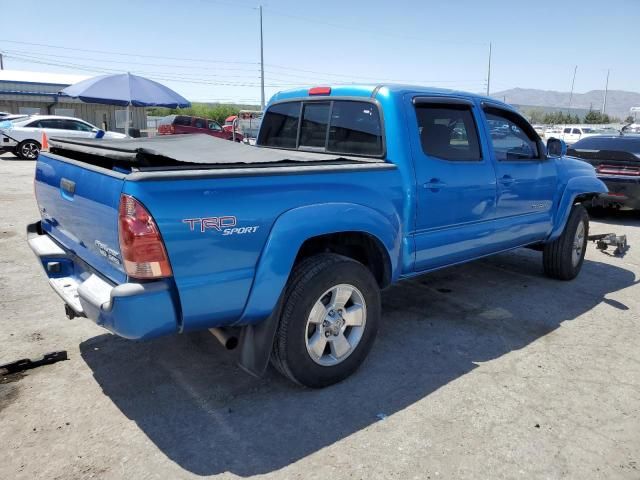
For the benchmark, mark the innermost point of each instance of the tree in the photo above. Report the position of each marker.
(217, 112)
(593, 117)
(535, 116)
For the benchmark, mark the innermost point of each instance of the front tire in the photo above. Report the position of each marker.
(328, 321)
(28, 150)
(563, 258)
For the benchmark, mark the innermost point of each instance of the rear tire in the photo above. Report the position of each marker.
(28, 150)
(563, 258)
(328, 321)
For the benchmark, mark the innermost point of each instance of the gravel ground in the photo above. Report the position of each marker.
(487, 370)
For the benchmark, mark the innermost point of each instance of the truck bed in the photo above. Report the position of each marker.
(184, 152)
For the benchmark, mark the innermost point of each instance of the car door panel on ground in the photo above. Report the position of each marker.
(455, 182)
(526, 180)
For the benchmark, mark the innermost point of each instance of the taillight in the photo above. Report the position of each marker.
(141, 245)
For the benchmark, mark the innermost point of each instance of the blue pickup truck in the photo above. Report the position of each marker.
(282, 250)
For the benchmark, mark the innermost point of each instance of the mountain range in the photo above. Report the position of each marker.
(618, 101)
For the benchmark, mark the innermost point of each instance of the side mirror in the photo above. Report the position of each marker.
(99, 133)
(556, 147)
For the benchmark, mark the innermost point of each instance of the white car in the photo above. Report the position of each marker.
(571, 135)
(555, 132)
(23, 136)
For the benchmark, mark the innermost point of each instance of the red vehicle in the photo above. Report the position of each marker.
(228, 123)
(179, 124)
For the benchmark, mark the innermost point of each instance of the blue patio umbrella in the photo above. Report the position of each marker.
(125, 90)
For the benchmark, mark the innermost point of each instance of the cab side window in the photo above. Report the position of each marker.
(511, 136)
(214, 126)
(448, 132)
(53, 124)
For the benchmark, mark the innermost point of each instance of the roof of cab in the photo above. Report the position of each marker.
(367, 90)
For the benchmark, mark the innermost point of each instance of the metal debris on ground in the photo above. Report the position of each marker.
(605, 240)
(28, 364)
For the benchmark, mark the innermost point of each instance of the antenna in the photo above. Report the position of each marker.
(572, 84)
(606, 89)
(261, 64)
(489, 72)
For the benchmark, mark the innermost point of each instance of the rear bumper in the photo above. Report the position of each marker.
(624, 191)
(130, 310)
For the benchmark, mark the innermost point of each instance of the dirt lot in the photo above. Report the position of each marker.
(488, 370)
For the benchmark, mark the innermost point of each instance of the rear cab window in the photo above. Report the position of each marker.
(182, 120)
(349, 127)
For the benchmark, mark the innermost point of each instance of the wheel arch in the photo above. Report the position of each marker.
(352, 230)
(578, 189)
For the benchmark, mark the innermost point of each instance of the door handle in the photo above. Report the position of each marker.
(434, 185)
(507, 180)
(67, 188)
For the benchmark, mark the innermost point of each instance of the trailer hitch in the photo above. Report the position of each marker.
(28, 364)
(605, 240)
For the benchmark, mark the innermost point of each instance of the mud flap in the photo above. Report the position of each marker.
(256, 344)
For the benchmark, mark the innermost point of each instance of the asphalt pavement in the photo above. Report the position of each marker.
(481, 371)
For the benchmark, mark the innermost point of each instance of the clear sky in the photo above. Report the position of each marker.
(208, 50)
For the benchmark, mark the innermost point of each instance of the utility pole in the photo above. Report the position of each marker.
(606, 89)
(489, 72)
(261, 65)
(1, 62)
(572, 84)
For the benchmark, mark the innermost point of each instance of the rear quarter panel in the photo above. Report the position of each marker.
(214, 272)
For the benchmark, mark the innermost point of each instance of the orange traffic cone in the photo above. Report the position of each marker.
(44, 145)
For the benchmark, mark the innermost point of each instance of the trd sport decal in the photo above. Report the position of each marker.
(226, 225)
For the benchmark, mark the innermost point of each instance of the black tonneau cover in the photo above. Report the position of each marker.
(193, 149)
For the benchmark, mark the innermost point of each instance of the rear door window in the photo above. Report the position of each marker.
(448, 132)
(348, 127)
(53, 124)
(200, 123)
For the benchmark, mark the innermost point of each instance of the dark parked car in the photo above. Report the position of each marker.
(616, 159)
(178, 124)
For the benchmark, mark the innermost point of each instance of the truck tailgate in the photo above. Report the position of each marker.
(79, 209)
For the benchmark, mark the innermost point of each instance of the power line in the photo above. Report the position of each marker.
(217, 79)
(128, 54)
(200, 60)
(104, 60)
(326, 76)
(167, 77)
